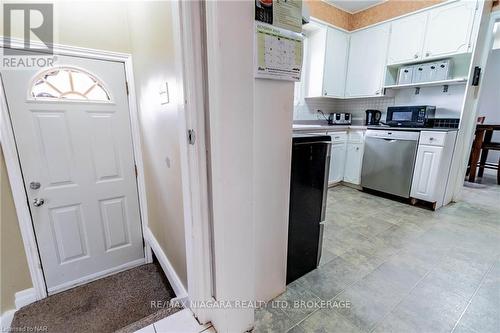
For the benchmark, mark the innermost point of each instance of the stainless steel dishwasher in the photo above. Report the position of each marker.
(388, 161)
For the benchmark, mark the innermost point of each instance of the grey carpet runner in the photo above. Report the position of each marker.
(123, 302)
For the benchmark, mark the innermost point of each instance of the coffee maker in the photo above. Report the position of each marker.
(373, 117)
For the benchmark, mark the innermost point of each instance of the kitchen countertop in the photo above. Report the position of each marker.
(412, 129)
(298, 128)
(329, 128)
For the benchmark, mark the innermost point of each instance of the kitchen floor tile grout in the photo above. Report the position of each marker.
(473, 295)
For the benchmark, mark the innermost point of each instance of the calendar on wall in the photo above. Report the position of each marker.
(278, 53)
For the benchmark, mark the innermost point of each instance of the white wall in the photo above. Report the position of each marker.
(489, 100)
(250, 137)
(231, 119)
(273, 117)
(448, 105)
(153, 46)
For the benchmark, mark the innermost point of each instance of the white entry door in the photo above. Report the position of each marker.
(73, 133)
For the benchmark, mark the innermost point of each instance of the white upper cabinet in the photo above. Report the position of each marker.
(449, 29)
(407, 39)
(337, 44)
(326, 60)
(443, 31)
(367, 59)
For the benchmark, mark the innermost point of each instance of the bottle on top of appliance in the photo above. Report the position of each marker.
(373, 117)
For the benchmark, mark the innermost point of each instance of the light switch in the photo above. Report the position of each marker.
(164, 98)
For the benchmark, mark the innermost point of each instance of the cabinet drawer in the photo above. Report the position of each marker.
(356, 136)
(432, 138)
(338, 137)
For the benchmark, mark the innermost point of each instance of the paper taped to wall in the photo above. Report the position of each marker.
(286, 14)
(278, 53)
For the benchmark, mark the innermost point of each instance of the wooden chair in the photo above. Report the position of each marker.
(474, 150)
(488, 145)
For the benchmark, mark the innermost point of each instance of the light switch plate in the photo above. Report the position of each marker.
(164, 97)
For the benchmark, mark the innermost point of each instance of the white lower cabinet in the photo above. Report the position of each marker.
(426, 172)
(346, 157)
(432, 166)
(354, 159)
(337, 162)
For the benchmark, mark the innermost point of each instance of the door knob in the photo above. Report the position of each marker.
(38, 202)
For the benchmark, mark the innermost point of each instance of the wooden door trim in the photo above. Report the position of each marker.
(13, 165)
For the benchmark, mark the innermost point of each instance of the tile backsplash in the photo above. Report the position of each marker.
(448, 104)
(357, 107)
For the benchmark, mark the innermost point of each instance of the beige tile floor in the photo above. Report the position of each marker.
(402, 268)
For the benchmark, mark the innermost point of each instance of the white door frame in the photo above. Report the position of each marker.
(14, 172)
(482, 50)
(197, 213)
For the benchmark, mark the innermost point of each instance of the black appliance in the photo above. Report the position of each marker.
(373, 117)
(410, 116)
(308, 191)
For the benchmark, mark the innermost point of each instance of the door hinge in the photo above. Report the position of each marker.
(126, 87)
(191, 137)
(135, 169)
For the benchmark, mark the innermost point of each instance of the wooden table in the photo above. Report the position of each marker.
(484, 134)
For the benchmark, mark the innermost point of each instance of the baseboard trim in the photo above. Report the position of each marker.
(168, 269)
(6, 320)
(21, 298)
(25, 297)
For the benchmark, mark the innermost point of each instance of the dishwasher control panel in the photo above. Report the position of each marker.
(396, 135)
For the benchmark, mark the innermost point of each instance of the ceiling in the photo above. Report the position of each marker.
(354, 6)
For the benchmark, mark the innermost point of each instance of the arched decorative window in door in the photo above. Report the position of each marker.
(68, 83)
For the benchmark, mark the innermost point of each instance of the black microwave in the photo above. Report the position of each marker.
(410, 116)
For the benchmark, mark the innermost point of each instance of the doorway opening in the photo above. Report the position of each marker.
(483, 171)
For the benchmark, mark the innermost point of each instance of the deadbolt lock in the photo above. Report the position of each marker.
(34, 185)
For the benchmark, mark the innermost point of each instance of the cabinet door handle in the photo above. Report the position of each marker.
(416, 56)
(427, 54)
(431, 139)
